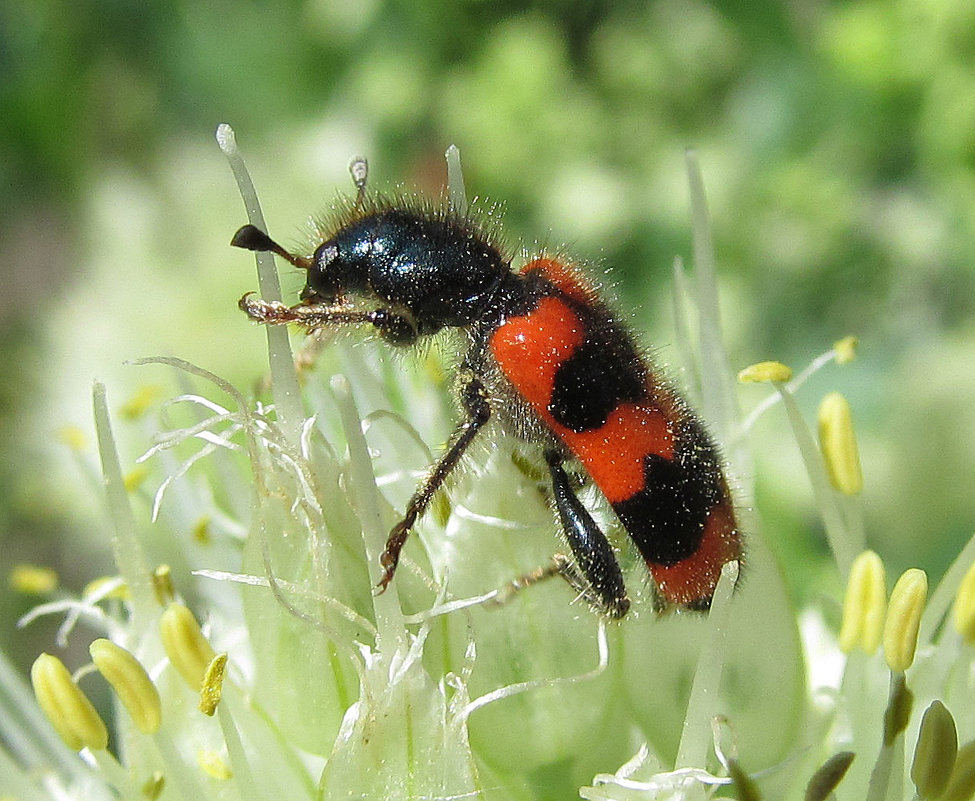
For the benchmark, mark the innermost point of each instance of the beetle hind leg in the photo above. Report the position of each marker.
(595, 574)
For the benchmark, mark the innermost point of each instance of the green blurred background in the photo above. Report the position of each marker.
(837, 142)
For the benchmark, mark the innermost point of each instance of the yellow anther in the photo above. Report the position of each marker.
(934, 755)
(765, 371)
(33, 579)
(66, 706)
(201, 530)
(903, 619)
(212, 690)
(864, 604)
(140, 403)
(94, 587)
(838, 442)
(964, 609)
(154, 786)
(73, 437)
(130, 682)
(845, 349)
(187, 648)
(214, 765)
(162, 584)
(135, 478)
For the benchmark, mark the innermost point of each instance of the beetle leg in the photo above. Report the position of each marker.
(392, 326)
(478, 412)
(596, 573)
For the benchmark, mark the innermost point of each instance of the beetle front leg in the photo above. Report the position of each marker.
(393, 326)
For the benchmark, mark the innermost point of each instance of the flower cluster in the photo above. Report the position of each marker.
(262, 665)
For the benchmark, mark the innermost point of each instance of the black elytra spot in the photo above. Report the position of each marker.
(585, 392)
(666, 518)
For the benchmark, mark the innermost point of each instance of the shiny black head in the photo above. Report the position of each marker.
(438, 268)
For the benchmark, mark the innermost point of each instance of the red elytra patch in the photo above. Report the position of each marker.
(564, 278)
(529, 349)
(614, 453)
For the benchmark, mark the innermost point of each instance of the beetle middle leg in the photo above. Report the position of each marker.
(478, 412)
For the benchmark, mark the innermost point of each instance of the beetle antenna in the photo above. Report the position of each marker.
(250, 237)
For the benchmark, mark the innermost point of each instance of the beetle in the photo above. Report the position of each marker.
(548, 359)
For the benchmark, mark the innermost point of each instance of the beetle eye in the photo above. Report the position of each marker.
(323, 283)
(325, 255)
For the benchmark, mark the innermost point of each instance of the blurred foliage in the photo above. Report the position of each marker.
(837, 142)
